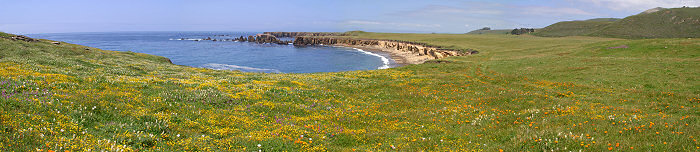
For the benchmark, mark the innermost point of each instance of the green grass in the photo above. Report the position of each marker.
(520, 93)
(667, 23)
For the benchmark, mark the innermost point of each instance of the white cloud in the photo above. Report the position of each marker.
(637, 5)
(438, 9)
(356, 22)
(548, 11)
(363, 23)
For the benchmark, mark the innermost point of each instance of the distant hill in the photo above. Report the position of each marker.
(572, 28)
(500, 31)
(653, 23)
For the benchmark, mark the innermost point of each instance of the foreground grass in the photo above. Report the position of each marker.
(521, 93)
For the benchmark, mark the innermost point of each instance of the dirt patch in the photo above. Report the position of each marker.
(619, 47)
(438, 62)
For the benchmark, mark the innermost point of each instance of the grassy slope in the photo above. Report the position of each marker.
(669, 23)
(521, 93)
(572, 28)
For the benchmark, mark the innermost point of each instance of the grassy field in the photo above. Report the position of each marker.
(520, 93)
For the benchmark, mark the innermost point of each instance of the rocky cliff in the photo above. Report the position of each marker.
(418, 49)
(295, 34)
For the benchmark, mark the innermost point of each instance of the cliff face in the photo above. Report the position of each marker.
(295, 34)
(400, 46)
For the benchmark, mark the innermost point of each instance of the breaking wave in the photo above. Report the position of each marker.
(185, 39)
(217, 66)
(384, 59)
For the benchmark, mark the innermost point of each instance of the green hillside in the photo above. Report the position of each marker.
(520, 93)
(573, 28)
(666, 23)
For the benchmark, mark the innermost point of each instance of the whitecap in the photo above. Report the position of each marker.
(217, 66)
(384, 59)
(188, 39)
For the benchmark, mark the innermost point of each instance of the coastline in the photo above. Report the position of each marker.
(399, 58)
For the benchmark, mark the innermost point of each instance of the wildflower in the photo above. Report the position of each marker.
(259, 145)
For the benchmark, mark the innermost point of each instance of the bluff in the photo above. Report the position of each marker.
(419, 49)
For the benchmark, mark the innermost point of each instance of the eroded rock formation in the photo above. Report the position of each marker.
(420, 49)
(261, 38)
(295, 34)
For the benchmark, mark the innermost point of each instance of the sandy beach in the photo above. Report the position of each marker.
(399, 57)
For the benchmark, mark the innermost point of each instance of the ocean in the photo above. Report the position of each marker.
(188, 48)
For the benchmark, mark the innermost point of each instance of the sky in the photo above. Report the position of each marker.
(425, 16)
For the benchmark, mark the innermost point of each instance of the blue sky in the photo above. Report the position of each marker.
(442, 16)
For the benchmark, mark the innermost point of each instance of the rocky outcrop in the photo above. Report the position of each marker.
(260, 38)
(295, 34)
(22, 38)
(419, 49)
(267, 38)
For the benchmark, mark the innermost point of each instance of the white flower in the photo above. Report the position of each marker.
(178, 135)
(259, 145)
(310, 139)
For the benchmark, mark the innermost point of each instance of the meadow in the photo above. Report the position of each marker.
(520, 93)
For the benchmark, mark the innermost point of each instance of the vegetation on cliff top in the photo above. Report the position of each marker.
(521, 93)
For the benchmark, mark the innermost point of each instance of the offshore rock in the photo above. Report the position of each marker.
(261, 38)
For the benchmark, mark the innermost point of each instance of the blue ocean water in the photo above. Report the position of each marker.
(229, 55)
